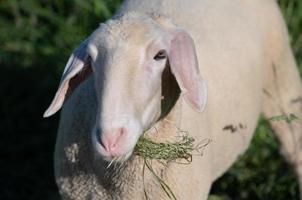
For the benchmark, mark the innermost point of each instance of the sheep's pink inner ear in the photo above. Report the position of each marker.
(184, 66)
(77, 69)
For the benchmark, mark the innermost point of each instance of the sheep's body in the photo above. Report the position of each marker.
(243, 54)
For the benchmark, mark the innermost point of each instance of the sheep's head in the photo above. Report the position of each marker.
(127, 57)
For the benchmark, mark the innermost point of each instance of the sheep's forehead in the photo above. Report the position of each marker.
(134, 31)
(126, 40)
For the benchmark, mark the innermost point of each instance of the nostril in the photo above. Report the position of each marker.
(98, 138)
(120, 132)
(117, 135)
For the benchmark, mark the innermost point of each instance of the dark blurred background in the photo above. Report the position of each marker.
(36, 39)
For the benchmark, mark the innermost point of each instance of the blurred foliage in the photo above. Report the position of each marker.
(292, 11)
(36, 38)
(43, 33)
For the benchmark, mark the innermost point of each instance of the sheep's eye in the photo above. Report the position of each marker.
(160, 55)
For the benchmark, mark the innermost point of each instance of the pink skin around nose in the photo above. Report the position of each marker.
(112, 142)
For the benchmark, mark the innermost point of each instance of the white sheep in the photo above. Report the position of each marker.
(134, 72)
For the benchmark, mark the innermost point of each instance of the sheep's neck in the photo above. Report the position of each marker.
(167, 128)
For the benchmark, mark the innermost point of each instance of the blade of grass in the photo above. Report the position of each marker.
(163, 185)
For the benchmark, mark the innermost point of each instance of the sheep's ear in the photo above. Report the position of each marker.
(77, 69)
(184, 66)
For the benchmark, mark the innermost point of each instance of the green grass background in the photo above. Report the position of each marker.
(36, 38)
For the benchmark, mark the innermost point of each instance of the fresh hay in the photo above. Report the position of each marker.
(184, 149)
(148, 149)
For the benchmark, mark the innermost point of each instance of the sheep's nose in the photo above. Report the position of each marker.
(112, 141)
